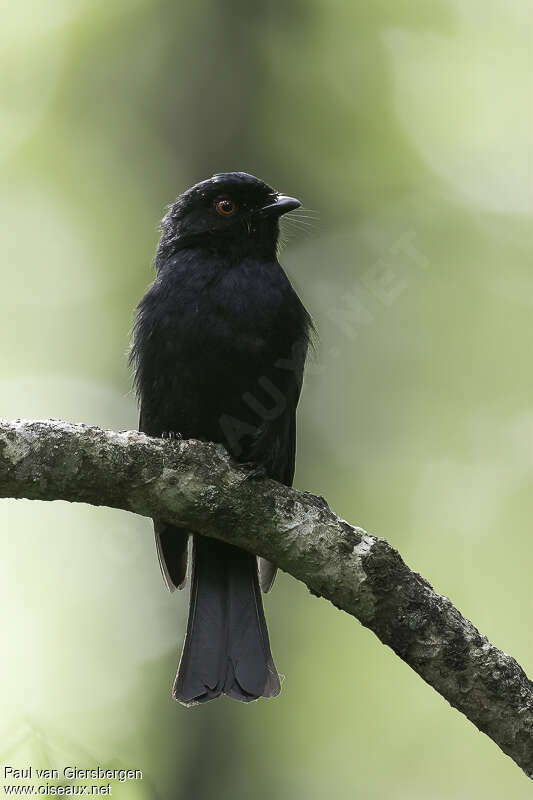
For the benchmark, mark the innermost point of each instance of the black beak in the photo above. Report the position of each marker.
(280, 206)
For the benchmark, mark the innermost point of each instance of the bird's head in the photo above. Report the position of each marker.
(232, 212)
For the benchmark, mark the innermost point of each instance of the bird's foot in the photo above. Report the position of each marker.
(254, 472)
(171, 435)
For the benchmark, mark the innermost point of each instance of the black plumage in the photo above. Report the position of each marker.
(219, 346)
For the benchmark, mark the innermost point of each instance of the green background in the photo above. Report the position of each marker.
(406, 125)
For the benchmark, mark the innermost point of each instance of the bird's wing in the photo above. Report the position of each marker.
(285, 474)
(170, 542)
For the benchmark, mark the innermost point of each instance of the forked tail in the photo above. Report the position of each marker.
(226, 649)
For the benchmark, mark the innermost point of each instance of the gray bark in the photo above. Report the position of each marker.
(196, 485)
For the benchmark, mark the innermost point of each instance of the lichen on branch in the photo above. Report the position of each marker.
(196, 485)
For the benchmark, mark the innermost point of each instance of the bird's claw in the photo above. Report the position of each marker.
(254, 472)
(171, 435)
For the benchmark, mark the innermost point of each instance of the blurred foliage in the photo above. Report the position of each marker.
(406, 126)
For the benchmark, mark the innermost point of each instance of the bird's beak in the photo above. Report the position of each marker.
(280, 206)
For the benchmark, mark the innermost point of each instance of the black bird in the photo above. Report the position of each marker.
(219, 345)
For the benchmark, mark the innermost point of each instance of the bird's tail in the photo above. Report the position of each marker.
(226, 649)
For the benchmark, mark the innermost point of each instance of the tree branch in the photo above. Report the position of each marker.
(196, 485)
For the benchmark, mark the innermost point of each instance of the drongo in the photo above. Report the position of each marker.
(219, 345)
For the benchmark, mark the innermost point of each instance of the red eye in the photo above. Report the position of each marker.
(226, 207)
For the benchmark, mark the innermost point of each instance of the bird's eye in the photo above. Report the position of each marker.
(226, 207)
